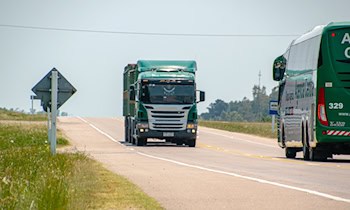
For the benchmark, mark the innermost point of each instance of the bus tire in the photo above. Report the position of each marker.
(306, 147)
(317, 155)
(283, 137)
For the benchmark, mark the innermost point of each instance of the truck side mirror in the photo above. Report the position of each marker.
(132, 93)
(201, 96)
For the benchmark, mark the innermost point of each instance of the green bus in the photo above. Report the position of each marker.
(314, 93)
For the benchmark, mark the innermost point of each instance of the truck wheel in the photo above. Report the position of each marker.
(192, 143)
(141, 141)
(179, 142)
(126, 130)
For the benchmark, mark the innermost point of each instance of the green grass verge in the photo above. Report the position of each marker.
(11, 115)
(254, 128)
(31, 178)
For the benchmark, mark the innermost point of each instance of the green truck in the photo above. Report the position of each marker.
(160, 101)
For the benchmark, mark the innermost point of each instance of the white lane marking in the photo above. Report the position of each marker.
(239, 139)
(83, 120)
(313, 192)
(229, 173)
(100, 131)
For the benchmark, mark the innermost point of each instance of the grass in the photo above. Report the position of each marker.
(262, 129)
(19, 116)
(31, 178)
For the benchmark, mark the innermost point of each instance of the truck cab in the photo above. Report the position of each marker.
(162, 102)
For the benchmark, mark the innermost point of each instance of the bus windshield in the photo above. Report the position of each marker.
(168, 93)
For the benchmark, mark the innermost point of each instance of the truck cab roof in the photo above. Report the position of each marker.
(167, 66)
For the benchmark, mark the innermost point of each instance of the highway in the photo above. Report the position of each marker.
(225, 171)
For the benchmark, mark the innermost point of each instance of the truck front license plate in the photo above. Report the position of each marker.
(168, 134)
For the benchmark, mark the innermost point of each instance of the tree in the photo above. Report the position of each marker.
(244, 110)
(217, 108)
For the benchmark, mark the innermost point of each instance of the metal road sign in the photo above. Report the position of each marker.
(273, 107)
(43, 90)
(53, 90)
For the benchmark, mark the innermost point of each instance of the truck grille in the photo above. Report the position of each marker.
(167, 117)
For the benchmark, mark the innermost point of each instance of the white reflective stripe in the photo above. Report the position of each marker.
(336, 133)
(341, 133)
(330, 132)
(346, 133)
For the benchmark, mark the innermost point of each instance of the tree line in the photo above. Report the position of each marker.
(256, 110)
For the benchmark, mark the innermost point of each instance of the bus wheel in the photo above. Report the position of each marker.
(290, 152)
(317, 155)
(283, 137)
(306, 151)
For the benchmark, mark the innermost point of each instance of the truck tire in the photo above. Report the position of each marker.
(126, 129)
(179, 142)
(191, 143)
(141, 141)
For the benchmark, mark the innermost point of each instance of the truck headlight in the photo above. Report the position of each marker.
(190, 126)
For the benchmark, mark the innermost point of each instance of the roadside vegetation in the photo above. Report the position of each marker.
(31, 178)
(262, 129)
(6, 114)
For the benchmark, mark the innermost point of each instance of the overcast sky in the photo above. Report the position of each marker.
(228, 66)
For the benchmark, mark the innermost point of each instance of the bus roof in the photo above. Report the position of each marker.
(314, 32)
(318, 30)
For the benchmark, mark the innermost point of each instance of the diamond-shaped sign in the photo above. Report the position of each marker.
(43, 90)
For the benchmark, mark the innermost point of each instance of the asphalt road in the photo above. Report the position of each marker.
(225, 171)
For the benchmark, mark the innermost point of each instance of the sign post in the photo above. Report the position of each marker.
(273, 110)
(53, 90)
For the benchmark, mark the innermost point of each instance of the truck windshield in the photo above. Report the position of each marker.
(167, 93)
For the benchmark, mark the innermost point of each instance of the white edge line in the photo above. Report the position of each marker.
(313, 192)
(100, 131)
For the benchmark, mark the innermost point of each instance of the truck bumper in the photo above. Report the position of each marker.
(168, 135)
